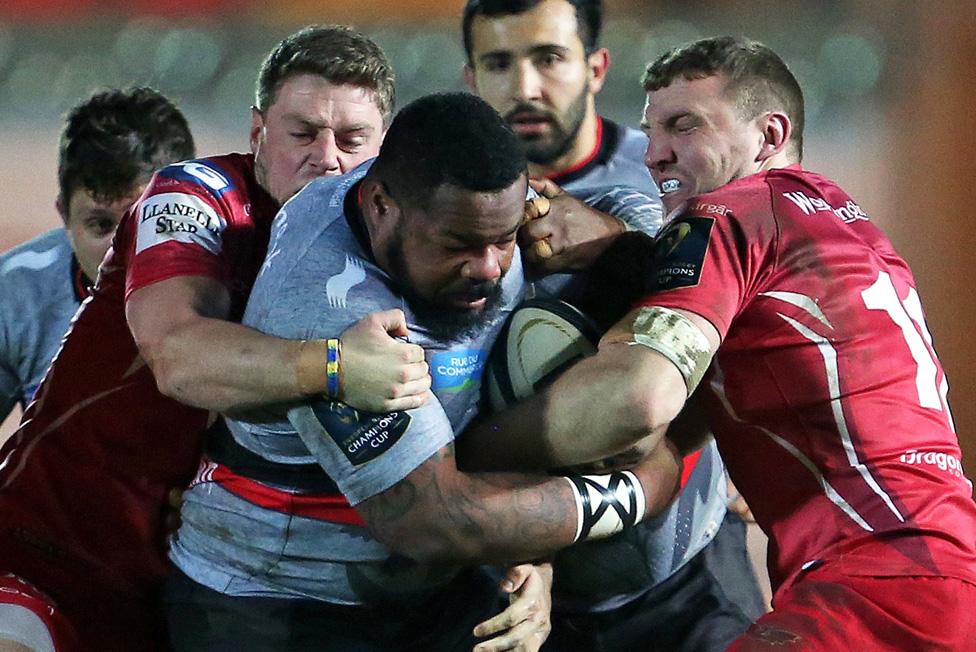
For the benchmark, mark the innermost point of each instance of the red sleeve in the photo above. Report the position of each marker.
(709, 260)
(172, 260)
(178, 231)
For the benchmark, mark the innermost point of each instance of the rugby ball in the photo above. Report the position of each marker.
(542, 338)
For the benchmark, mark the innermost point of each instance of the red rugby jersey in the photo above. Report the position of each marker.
(826, 396)
(83, 481)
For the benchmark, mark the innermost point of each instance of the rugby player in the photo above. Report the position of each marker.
(110, 145)
(117, 422)
(538, 63)
(357, 529)
(773, 291)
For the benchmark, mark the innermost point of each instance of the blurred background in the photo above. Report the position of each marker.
(889, 88)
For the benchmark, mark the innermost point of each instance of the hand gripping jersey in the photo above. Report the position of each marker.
(319, 278)
(41, 287)
(83, 481)
(602, 575)
(826, 396)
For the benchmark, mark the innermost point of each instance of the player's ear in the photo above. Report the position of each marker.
(257, 125)
(381, 214)
(598, 62)
(775, 129)
(376, 202)
(469, 80)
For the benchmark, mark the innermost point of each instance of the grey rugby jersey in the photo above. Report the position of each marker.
(316, 281)
(40, 290)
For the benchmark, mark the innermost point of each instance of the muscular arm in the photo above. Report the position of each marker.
(201, 359)
(439, 513)
(599, 407)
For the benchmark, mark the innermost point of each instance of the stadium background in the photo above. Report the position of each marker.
(889, 102)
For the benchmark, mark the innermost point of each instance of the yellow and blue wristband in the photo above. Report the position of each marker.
(332, 360)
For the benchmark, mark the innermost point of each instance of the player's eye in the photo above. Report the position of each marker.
(496, 64)
(352, 144)
(549, 59)
(100, 227)
(685, 125)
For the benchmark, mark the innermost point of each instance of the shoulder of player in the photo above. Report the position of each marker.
(319, 205)
(35, 286)
(316, 284)
(312, 197)
(753, 196)
(629, 147)
(317, 210)
(37, 259)
(726, 203)
(211, 178)
(215, 191)
(631, 143)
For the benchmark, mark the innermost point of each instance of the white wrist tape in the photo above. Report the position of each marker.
(606, 504)
(675, 337)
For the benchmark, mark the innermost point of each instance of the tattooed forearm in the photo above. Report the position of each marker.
(440, 513)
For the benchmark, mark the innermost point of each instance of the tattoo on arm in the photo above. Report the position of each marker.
(484, 516)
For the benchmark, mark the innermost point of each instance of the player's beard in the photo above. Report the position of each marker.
(565, 129)
(443, 322)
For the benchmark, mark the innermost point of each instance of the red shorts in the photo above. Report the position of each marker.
(15, 591)
(827, 611)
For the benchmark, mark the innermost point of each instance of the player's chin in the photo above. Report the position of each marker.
(675, 200)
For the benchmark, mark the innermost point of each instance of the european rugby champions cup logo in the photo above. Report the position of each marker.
(361, 436)
(672, 237)
(680, 252)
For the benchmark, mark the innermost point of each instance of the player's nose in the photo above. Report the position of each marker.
(325, 153)
(527, 82)
(659, 152)
(486, 266)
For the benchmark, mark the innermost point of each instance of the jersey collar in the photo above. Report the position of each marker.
(81, 285)
(607, 137)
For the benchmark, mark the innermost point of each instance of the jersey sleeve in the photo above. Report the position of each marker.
(366, 453)
(178, 226)
(709, 261)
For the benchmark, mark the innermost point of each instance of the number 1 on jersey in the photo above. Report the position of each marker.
(908, 316)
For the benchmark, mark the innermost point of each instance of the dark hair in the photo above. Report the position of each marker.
(589, 18)
(338, 53)
(447, 138)
(113, 142)
(758, 78)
